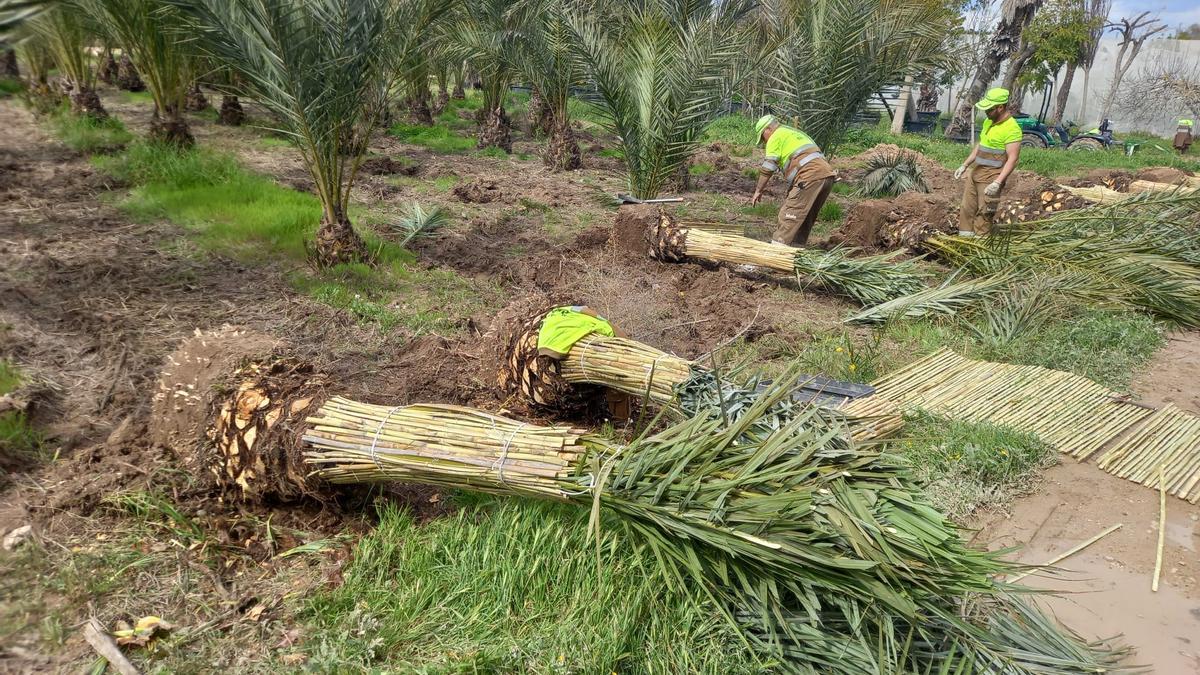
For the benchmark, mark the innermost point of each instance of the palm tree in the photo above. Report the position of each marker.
(489, 34)
(547, 61)
(323, 69)
(63, 30)
(660, 68)
(831, 56)
(150, 33)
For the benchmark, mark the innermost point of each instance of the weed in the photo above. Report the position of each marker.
(137, 97)
(513, 586)
(616, 153)
(17, 435)
(493, 152)
(84, 134)
(840, 188)
(830, 212)
(445, 183)
(966, 466)
(437, 138)
(156, 510)
(762, 210)
(10, 86)
(701, 169)
(272, 142)
(533, 205)
(736, 131)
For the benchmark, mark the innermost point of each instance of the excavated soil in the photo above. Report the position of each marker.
(1162, 174)
(899, 222)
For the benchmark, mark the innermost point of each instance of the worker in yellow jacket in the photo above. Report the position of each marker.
(989, 165)
(808, 177)
(1183, 136)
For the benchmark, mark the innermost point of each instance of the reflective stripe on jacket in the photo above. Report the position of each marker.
(993, 139)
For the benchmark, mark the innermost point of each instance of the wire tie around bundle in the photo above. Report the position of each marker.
(375, 440)
(499, 463)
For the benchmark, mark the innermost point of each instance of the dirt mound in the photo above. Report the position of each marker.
(180, 411)
(1162, 174)
(901, 222)
(630, 226)
(478, 191)
(1110, 178)
(386, 166)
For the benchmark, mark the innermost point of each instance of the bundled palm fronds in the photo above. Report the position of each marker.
(1098, 194)
(867, 279)
(1142, 253)
(821, 551)
(1152, 187)
(891, 173)
(417, 222)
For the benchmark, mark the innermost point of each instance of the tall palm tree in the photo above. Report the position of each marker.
(831, 56)
(323, 69)
(660, 67)
(150, 32)
(547, 60)
(67, 36)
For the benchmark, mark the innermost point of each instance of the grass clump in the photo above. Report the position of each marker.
(967, 466)
(85, 134)
(513, 586)
(437, 138)
(737, 131)
(18, 437)
(10, 86)
(701, 169)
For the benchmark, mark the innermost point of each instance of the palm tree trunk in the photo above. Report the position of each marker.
(458, 94)
(440, 102)
(495, 130)
(196, 100)
(418, 106)
(171, 128)
(1004, 41)
(539, 116)
(108, 70)
(337, 242)
(1064, 91)
(127, 75)
(8, 63)
(231, 114)
(86, 103)
(562, 150)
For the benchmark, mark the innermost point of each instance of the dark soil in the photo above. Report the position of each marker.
(900, 222)
(478, 192)
(1161, 175)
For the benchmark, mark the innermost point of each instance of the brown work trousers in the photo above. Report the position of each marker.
(800, 210)
(978, 210)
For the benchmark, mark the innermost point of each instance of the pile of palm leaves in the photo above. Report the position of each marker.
(1142, 254)
(823, 552)
(891, 173)
(867, 279)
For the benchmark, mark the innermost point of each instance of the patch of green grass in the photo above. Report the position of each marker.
(762, 210)
(513, 586)
(615, 153)
(17, 434)
(136, 97)
(588, 113)
(437, 138)
(840, 188)
(701, 169)
(830, 212)
(736, 131)
(270, 142)
(10, 86)
(445, 183)
(84, 134)
(965, 466)
(493, 152)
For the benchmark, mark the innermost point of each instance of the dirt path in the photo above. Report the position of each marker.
(1107, 586)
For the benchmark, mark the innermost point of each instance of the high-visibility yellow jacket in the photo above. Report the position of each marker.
(992, 141)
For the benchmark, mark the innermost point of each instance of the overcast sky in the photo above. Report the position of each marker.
(1174, 13)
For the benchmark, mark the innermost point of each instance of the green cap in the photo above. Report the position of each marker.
(762, 123)
(994, 97)
(1186, 123)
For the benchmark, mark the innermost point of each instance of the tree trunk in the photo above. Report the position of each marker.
(418, 108)
(1064, 91)
(196, 100)
(8, 64)
(458, 94)
(1015, 65)
(231, 114)
(127, 75)
(108, 70)
(337, 243)
(495, 131)
(86, 103)
(1004, 41)
(562, 150)
(171, 128)
(440, 102)
(1083, 105)
(539, 117)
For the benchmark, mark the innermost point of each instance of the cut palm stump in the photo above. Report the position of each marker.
(640, 370)
(867, 279)
(1067, 411)
(822, 552)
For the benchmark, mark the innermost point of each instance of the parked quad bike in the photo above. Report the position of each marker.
(1037, 134)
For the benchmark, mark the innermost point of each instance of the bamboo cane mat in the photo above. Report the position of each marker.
(1069, 412)
(1169, 439)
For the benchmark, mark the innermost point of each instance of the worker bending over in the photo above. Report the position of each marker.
(808, 177)
(1183, 136)
(989, 165)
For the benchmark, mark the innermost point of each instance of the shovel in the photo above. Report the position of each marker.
(630, 199)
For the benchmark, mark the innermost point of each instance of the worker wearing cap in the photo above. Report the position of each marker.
(989, 165)
(1183, 136)
(808, 177)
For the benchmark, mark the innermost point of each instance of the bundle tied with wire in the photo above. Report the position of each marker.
(821, 551)
(866, 279)
(685, 388)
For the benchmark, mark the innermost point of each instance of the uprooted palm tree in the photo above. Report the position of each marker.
(831, 56)
(660, 68)
(322, 68)
(547, 61)
(149, 33)
(67, 36)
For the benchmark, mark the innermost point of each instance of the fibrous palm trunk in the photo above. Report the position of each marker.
(86, 102)
(108, 70)
(196, 100)
(539, 114)
(337, 242)
(169, 126)
(231, 114)
(1004, 41)
(8, 63)
(440, 102)
(127, 75)
(418, 108)
(458, 93)
(562, 150)
(495, 130)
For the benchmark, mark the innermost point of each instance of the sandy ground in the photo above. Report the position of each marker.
(1105, 589)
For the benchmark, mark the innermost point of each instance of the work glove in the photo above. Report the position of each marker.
(958, 173)
(992, 189)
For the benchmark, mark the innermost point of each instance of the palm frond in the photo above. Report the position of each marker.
(891, 173)
(418, 222)
(946, 299)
